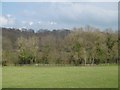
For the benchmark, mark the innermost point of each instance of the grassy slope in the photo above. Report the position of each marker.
(0, 77)
(60, 77)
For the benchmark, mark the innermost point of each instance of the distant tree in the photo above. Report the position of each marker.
(79, 46)
(27, 50)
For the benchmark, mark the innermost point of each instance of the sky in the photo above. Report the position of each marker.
(59, 15)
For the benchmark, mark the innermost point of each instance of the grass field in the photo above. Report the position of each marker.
(60, 77)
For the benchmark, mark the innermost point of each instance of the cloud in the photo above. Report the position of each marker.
(29, 13)
(11, 21)
(8, 15)
(23, 22)
(47, 22)
(76, 14)
(6, 20)
(81, 14)
(3, 21)
(30, 23)
(23, 27)
(63, 15)
(53, 23)
(39, 22)
(27, 22)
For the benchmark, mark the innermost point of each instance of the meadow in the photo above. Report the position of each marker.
(60, 77)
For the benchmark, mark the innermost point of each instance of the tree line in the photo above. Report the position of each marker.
(79, 46)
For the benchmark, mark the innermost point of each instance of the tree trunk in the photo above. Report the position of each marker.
(85, 60)
(93, 61)
(90, 61)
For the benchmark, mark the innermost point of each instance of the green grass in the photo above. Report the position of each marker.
(0, 77)
(60, 77)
